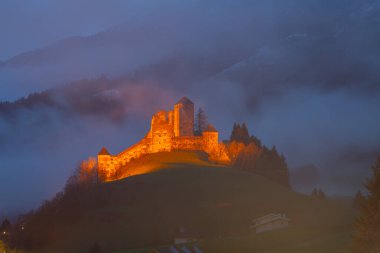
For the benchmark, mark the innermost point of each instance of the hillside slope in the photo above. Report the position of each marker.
(186, 191)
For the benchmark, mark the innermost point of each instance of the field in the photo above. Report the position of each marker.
(214, 203)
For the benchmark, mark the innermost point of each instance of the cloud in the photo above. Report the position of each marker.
(302, 74)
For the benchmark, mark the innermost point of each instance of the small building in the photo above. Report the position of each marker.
(184, 237)
(177, 249)
(183, 240)
(270, 222)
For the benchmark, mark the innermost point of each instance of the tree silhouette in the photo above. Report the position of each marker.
(321, 194)
(5, 230)
(200, 121)
(5, 226)
(240, 133)
(358, 200)
(247, 153)
(314, 193)
(318, 193)
(367, 234)
(244, 133)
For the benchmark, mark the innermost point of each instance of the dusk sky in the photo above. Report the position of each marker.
(304, 76)
(29, 25)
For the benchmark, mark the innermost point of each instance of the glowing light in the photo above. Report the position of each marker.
(169, 131)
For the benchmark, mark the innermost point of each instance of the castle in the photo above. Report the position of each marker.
(169, 131)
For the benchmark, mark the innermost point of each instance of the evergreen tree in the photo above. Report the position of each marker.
(244, 134)
(358, 200)
(201, 121)
(235, 132)
(367, 234)
(318, 193)
(274, 151)
(256, 141)
(5, 230)
(256, 158)
(321, 194)
(5, 226)
(284, 172)
(240, 133)
(314, 193)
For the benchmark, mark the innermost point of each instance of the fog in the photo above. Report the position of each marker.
(302, 74)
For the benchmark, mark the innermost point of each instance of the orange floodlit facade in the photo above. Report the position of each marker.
(169, 131)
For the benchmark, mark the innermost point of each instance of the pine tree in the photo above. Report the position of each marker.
(5, 226)
(367, 234)
(321, 194)
(314, 193)
(284, 171)
(358, 200)
(240, 133)
(201, 121)
(257, 158)
(318, 193)
(5, 229)
(244, 134)
(255, 140)
(235, 132)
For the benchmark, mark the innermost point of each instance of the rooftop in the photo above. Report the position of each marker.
(210, 128)
(185, 101)
(104, 151)
(269, 218)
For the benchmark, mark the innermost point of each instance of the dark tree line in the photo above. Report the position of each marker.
(240, 133)
(5, 230)
(249, 154)
(367, 227)
(318, 193)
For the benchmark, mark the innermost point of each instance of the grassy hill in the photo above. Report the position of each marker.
(214, 203)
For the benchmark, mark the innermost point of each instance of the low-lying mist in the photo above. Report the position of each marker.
(302, 75)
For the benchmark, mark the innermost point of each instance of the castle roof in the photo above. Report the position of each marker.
(184, 101)
(104, 151)
(210, 128)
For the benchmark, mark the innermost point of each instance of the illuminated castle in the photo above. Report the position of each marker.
(169, 131)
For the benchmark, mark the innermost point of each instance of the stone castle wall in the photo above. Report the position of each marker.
(169, 131)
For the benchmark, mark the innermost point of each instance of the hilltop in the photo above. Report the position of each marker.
(173, 130)
(181, 189)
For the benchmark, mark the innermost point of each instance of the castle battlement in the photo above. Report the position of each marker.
(169, 131)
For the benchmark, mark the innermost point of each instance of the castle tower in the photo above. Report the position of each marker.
(184, 117)
(210, 138)
(162, 132)
(103, 159)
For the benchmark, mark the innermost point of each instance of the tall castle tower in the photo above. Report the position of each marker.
(184, 118)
